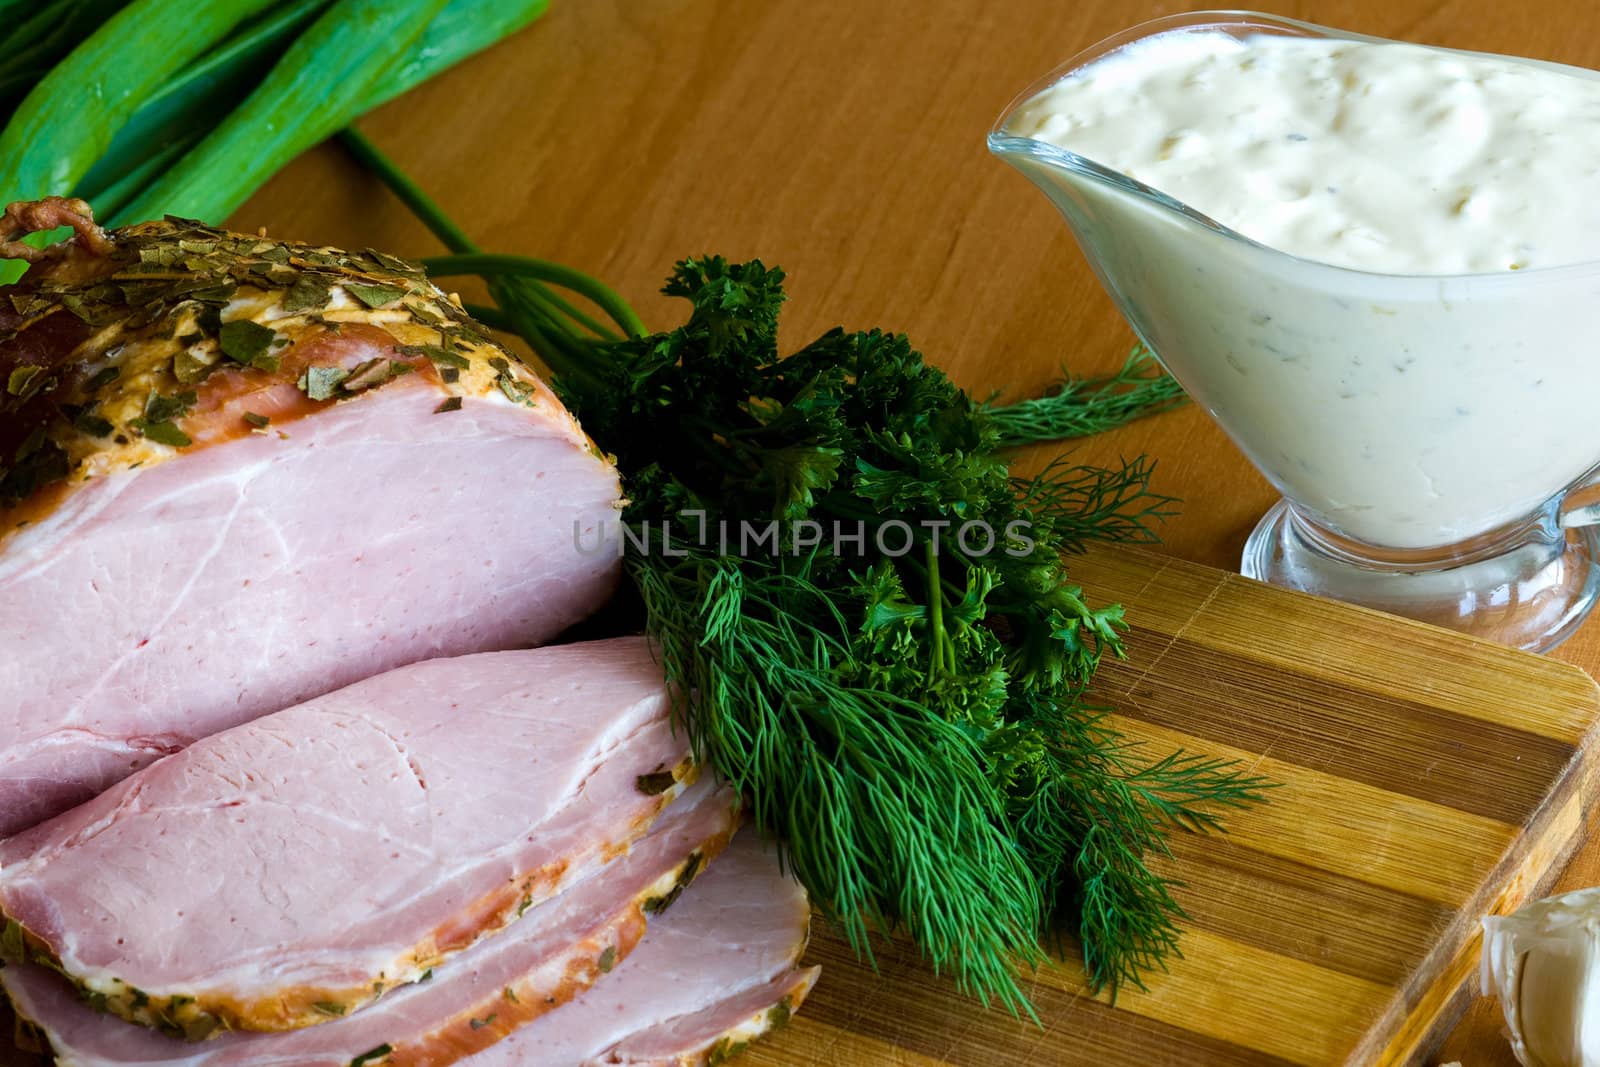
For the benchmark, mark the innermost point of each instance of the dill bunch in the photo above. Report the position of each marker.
(904, 708)
(895, 676)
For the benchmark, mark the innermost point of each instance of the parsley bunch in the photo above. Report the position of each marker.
(903, 705)
(870, 621)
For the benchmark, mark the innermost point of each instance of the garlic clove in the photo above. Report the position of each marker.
(1540, 961)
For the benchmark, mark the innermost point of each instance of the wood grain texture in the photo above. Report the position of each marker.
(843, 140)
(1337, 924)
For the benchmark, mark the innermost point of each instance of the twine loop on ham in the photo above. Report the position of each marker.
(36, 216)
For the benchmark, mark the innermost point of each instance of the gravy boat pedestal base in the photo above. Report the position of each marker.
(1528, 585)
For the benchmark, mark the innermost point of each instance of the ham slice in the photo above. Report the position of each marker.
(557, 949)
(287, 871)
(237, 473)
(711, 975)
(711, 1036)
(715, 972)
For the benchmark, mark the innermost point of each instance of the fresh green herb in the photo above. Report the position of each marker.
(260, 422)
(691, 869)
(607, 960)
(328, 1007)
(322, 81)
(511, 995)
(889, 661)
(164, 432)
(656, 782)
(69, 118)
(373, 372)
(724, 1051)
(308, 293)
(375, 296)
(479, 1024)
(158, 408)
(908, 712)
(248, 343)
(322, 383)
(379, 1053)
(157, 424)
(1079, 407)
(450, 403)
(17, 383)
(189, 368)
(92, 424)
(515, 391)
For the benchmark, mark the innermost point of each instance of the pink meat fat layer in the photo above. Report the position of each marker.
(535, 958)
(161, 605)
(315, 847)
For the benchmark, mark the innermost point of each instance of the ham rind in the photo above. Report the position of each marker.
(712, 974)
(153, 592)
(558, 949)
(287, 871)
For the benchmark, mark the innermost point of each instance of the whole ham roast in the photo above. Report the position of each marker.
(284, 780)
(236, 473)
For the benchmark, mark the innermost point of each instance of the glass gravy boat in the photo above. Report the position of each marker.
(1434, 437)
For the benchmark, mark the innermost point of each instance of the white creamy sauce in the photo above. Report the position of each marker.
(1399, 403)
(1382, 157)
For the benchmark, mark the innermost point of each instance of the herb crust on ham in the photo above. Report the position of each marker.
(236, 473)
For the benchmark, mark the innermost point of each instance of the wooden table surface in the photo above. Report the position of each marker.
(843, 139)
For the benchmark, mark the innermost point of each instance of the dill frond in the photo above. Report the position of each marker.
(1079, 407)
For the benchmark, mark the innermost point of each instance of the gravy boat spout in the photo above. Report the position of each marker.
(1423, 429)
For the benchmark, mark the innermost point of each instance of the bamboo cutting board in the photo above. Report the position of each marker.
(843, 140)
(1425, 779)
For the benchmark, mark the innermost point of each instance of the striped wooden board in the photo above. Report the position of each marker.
(1425, 779)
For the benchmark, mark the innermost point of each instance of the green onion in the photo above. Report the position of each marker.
(42, 39)
(463, 28)
(69, 119)
(192, 102)
(498, 266)
(190, 105)
(321, 83)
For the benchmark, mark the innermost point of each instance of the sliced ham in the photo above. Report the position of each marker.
(715, 972)
(556, 950)
(237, 473)
(719, 1031)
(285, 872)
